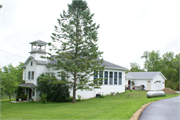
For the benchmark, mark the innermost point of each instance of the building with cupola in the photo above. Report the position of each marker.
(36, 65)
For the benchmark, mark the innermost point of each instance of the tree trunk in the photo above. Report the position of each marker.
(74, 94)
(9, 96)
(74, 89)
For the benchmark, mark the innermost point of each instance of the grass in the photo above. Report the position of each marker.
(111, 107)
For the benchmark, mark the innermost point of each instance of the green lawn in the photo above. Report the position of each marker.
(111, 107)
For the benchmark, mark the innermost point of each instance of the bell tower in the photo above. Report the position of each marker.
(38, 49)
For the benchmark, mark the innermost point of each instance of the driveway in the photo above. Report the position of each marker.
(167, 109)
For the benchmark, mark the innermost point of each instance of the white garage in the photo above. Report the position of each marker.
(150, 80)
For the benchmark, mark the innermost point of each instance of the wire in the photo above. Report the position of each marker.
(12, 54)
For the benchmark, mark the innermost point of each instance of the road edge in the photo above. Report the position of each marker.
(138, 112)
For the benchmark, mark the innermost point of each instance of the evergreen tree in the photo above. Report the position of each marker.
(78, 55)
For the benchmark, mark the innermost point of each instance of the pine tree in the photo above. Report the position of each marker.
(78, 56)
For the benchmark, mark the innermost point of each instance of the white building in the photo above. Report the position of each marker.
(35, 65)
(151, 80)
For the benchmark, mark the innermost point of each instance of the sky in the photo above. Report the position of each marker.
(127, 28)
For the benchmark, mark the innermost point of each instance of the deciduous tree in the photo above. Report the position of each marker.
(10, 78)
(152, 58)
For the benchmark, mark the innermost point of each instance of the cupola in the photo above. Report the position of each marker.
(38, 49)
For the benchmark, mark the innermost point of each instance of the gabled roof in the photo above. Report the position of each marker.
(105, 63)
(38, 41)
(111, 65)
(39, 62)
(142, 75)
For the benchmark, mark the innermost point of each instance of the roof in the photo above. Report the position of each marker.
(43, 62)
(143, 75)
(30, 85)
(39, 62)
(38, 41)
(111, 65)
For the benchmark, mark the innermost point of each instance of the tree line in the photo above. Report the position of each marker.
(168, 64)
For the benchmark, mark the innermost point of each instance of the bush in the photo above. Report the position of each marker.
(70, 99)
(117, 93)
(79, 97)
(19, 92)
(43, 98)
(23, 97)
(56, 91)
(102, 96)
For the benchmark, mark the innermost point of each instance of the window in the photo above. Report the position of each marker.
(101, 76)
(120, 78)
(95, 77)
(106, 77)
(32, 76)
(110, 78)
(158, 81)
(31, 63)
(29, 75)
(115, 78)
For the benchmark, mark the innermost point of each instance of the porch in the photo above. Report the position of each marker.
(29, 90)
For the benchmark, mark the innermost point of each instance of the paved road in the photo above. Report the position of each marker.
(167, 109)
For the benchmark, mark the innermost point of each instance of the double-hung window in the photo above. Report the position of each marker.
(120, 78)
(101, 76)
(110, 78)
(30, 75)
(115, 78)
(106, 77)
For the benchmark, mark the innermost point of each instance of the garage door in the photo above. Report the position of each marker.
(158, 85)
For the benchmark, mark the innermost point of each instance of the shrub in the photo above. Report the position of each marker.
(102, 96)
(112, 93)
(79, 97)
(19, 91)
(23, 97)
(70, 99)
(117, 93)
(43, 98)
(56, 91)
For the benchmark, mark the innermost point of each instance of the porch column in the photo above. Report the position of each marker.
(28, 94)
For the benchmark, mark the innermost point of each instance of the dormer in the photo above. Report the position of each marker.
(38, 49)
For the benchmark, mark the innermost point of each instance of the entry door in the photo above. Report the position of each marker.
(148, 85)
